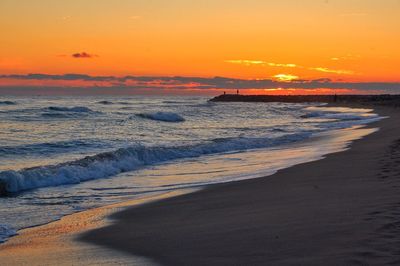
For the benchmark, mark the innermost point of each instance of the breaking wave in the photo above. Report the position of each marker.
(162, 116)
(340, 116)
(127, 159)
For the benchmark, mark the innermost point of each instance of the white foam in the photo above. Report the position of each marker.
(339, 113)
(127, 159)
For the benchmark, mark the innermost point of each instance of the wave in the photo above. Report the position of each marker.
(67, 112)
(76, 109)
(110, 102)
(7, 103)
(178, 102)
(56, 115)
(186, 101)
(6, 232)
(105, 102)
(127, 159)
(48, 147)
(162, 116)
(339, 116)
(126, 108)
(206, 104)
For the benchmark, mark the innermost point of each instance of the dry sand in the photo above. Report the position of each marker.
(342, 210)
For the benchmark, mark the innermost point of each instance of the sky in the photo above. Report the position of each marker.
(199, 47)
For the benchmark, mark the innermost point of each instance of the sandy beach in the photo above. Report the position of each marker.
(199, 132)
(55, 243)
(342, 210)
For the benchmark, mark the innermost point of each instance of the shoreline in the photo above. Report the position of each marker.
(331, 211)
(55, 243)
(124, 212)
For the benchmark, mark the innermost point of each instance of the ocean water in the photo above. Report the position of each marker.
(60, 155)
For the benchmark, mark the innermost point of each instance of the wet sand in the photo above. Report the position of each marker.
(55, 243)
(342, 210)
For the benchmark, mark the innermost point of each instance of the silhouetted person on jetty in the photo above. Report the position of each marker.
(237, 92)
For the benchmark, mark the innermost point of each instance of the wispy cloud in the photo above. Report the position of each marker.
(258, 62)
(346, 57)
(83, 55)
(246, 62)
(271, 64)
(334, 71)
(281, 65)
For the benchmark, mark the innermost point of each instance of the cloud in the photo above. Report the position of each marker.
(346, 57)
(334, 71)
(187, 83)
(258, 62)
(246, 62)
(285, 77)
(281, 65)
(271, 64)
(83, 55)
(58, 77)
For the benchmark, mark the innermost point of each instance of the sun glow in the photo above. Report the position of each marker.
(285, 77)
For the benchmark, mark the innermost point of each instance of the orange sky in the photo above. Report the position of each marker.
(343, 40)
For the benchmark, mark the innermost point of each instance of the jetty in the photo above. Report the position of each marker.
(382, 99)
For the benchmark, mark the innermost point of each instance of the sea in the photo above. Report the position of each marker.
(61, 155)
